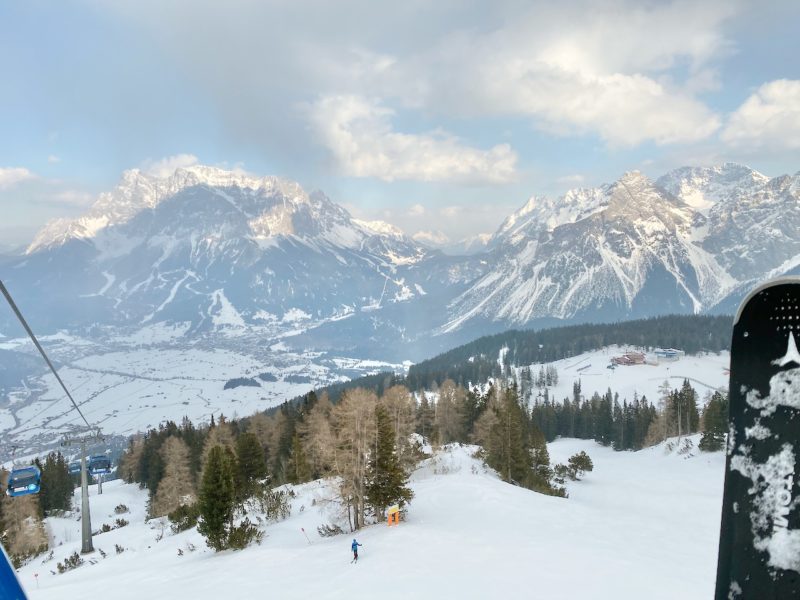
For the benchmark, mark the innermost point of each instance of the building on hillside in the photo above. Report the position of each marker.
(668, 354)
(629, 358)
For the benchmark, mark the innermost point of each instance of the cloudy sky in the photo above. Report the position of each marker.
(433, 115)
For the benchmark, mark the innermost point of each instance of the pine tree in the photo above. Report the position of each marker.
(151, 465)
(386, 478)
(251, 462)
(579, 464)
(425, 419)
(298, 470)
(56, 484)
(715, 423)
(689, 403)
(542, 473)
(217, 497)
(508, 451)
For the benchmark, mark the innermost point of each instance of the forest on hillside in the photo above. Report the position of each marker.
(477, 361)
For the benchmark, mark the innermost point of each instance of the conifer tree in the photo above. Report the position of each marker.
(579, 464)
(217, 497)
(689, 402)
(56, 484)
(542, 473)
(251, 462)
(474, 405)
(386, 478)
(194, 439)
(425, 416)
(298, 470)
(508, 449)
(715, 423)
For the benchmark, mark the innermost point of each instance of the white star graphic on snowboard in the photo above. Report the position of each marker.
(792, 355)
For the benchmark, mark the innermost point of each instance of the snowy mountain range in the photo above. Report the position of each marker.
(225, 251)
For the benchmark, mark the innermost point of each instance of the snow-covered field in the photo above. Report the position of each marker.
(641, 525)
(706, 372)
(142, 380)
(130, 383)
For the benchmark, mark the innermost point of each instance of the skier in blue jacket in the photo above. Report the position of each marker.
(354, 547)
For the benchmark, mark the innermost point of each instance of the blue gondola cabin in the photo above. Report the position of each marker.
(24, 480)
(99, 465)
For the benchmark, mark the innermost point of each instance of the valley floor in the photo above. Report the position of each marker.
(641, 525)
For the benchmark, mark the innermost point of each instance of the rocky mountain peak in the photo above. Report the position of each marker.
(138, 190)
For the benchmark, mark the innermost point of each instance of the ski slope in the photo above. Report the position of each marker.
(706, 372)
(641, 525)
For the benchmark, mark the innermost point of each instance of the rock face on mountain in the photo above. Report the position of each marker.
(219, 250)
(685, 243)
(227, 252)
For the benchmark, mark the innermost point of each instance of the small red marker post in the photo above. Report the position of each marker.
(36, 575)
(305, 534)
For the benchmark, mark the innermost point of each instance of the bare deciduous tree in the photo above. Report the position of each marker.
(177, 487)
(318, 438)
(219, 435)
(354, 426)
(24, 528)
(450, 412)
(401, 409)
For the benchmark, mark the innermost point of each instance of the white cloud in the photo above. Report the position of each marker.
(614, 70)
(73, 197)
(434, 239)
(32, 200)
(359, 134)
(451, 211)
(769, 118)
(575, 179)
(416, 210)
(166, 166)
(10, 176)
(625, 70)
(52, 159)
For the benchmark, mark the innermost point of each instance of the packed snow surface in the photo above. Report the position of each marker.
(706, 372)
(641, 525)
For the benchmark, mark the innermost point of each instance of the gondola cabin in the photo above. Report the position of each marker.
(99, 465)
(74, 468)
(24, 480)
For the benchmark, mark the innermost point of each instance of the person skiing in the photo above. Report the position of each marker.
(354, 547)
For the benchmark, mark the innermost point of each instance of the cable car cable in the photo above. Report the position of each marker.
(40, 349)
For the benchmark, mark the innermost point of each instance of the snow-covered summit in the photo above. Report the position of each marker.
(702, 187)
(138, 191)
(381, 228)
(162, 247)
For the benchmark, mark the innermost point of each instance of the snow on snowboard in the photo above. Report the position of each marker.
(759, 553)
